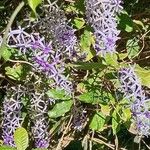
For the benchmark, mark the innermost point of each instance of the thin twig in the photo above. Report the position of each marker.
(111, 146)
(62, 137)
(21, 61)
(146, 144)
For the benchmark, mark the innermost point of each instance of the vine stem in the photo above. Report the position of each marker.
(13, 16)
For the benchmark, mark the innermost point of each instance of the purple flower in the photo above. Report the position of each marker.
(19, 39)
(101, 15)
(132, 89)
(65, 36)
(39, 109)
(12, 117)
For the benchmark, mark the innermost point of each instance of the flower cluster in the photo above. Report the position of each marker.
(101, 15)
(65, 36)
(132, 90)
(12, 117)
(39, 106)
(44, 57)
(57, 28)
(20, 39)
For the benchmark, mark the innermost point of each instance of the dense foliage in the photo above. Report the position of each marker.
(74, 74)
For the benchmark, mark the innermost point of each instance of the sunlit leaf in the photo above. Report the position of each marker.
(144, 75)
(79, 22)
(87, 40)
(21, 138)
(57, 94)
(98, 122)
(7, 148)
(60, 109)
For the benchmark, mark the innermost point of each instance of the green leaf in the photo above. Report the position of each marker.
(88, 97)
(6, 53)
(15, 72)
(89, 65)
(122, 55)
(125, 22)
(105, 109)
(143, 75)
(98, 122)
(39, 149)
(60, 109)
(57, 94)
(87, 40)
(21, 138)
(79, 23)
(132, 47)
(6, 148)
(126, 114)
(111, 59)
(33, 4)
(115, 122)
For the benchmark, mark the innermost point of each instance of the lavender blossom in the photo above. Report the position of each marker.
(132, 89)
(18, 38)
(12, 117)
(101, 15)
(130, 84)
(57, 28)
(44, 57)
(65, 36)
(39, 109)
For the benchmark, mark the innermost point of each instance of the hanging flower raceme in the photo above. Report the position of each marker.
(44, 58)
(101, 15)
(12, 117)
(132, 89)
(39, 110)
(57, 28)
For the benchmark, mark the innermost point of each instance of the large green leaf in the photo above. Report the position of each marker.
(87, 40)
(21, 138)
(40, 149)
(111, 59)
(60, 109)
(33, 4)
(88, 97)
(57, 94)
(144, 75)
(98, 122)
(125, 22)
(6, 148)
